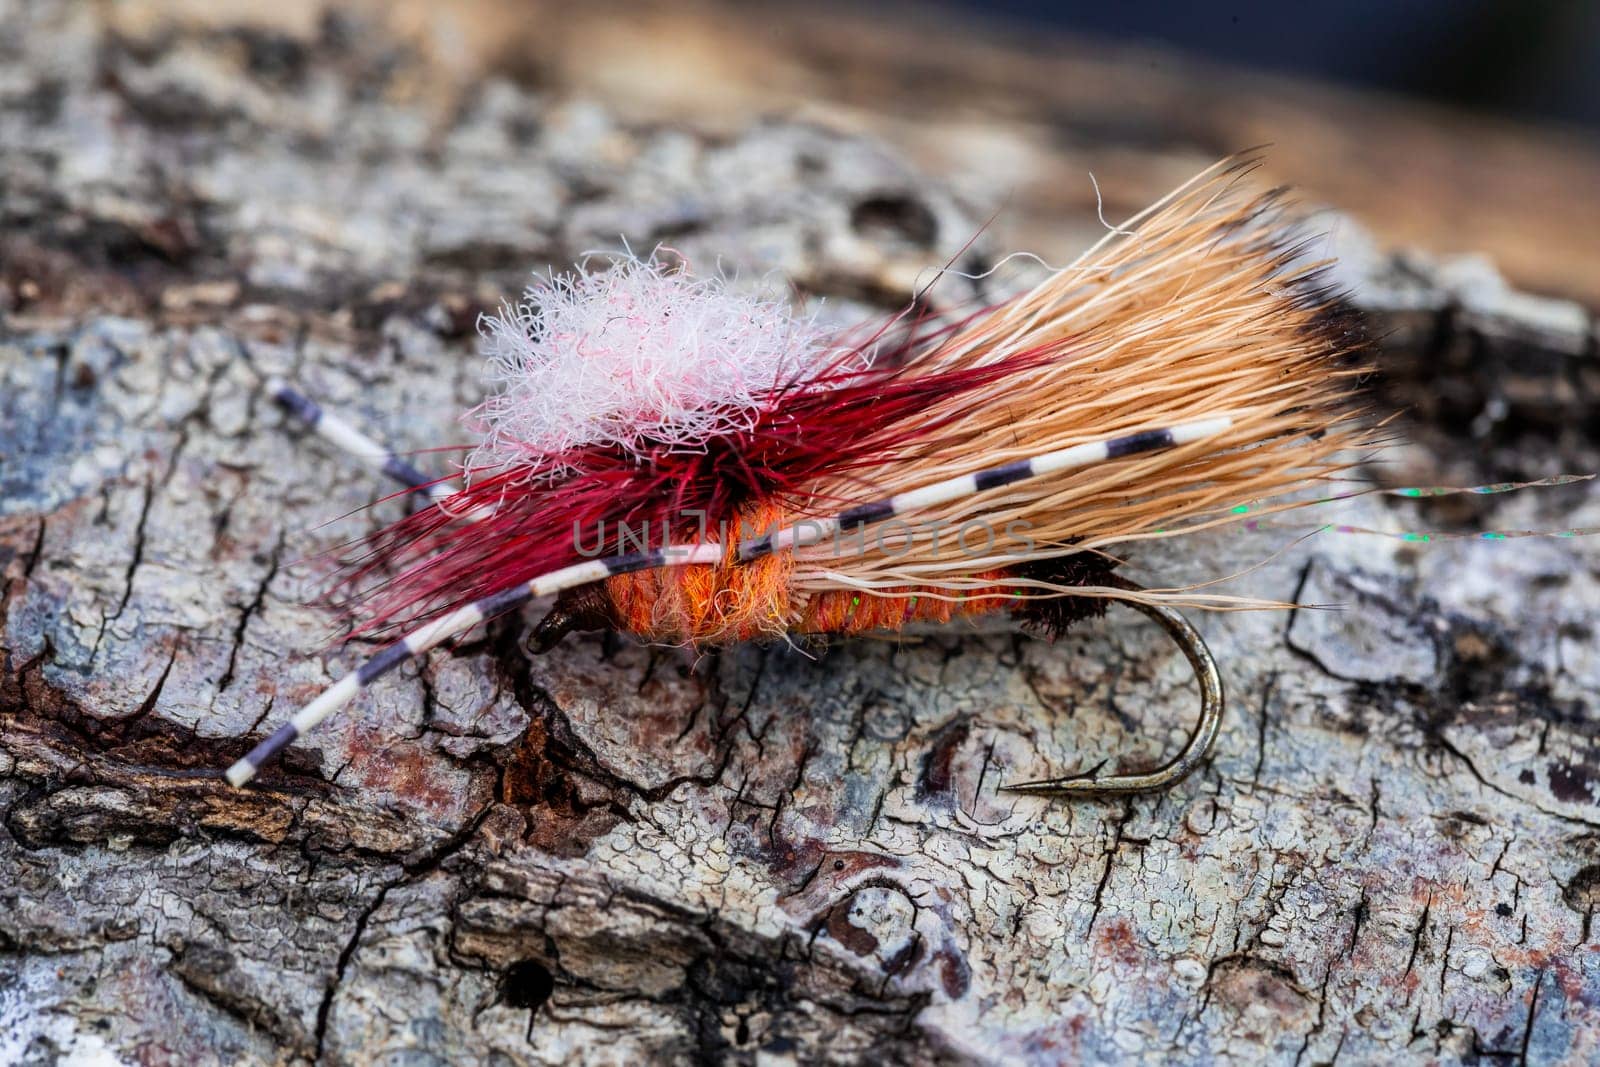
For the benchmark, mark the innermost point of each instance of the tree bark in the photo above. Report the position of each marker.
(613, 853)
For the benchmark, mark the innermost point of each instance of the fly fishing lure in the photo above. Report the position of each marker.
(681, 462)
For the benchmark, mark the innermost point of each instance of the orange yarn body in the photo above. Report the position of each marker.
(732, 601)
(709, 604)
(842, 611)
(706, 605)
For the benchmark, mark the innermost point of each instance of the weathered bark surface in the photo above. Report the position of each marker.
(612, 853)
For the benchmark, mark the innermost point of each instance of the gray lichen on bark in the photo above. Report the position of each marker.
(621, 853)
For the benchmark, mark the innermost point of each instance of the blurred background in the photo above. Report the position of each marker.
(1538, 60)
(1464, 127)
(1457, 127)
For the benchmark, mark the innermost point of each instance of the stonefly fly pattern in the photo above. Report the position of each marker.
(671, 458)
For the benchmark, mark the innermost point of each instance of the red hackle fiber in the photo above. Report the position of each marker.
(831, 424)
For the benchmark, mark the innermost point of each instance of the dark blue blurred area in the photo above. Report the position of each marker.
(1534, 60)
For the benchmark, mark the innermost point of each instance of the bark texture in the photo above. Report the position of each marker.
(613, 853)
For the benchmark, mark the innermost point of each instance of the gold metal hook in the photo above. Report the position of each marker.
(1091, 783)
